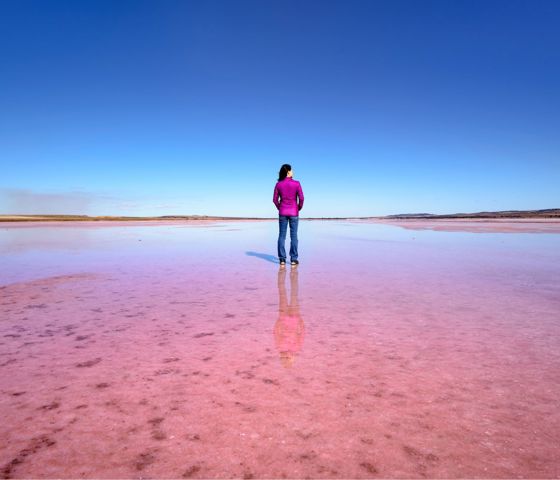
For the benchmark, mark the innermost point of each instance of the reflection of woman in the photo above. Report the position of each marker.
(289, 328)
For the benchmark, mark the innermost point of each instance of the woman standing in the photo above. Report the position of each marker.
(288, 198)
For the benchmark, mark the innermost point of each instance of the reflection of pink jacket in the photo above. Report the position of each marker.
(288, 333)
(288, 190)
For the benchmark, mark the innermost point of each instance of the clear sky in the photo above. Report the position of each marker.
(190, 107)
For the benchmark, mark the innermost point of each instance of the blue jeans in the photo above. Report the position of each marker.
(283, 221)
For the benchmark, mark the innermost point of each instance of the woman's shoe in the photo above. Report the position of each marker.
(295, 262)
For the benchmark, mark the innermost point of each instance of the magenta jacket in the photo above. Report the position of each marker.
(288, 189)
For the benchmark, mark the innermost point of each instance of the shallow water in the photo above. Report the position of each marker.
(179, 351)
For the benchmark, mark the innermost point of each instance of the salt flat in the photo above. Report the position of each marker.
(180, 350)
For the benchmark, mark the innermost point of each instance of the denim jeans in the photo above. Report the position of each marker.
(283, 221)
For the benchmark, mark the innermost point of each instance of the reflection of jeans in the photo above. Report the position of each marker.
(283, 221)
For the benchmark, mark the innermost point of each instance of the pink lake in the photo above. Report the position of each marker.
(179, 350)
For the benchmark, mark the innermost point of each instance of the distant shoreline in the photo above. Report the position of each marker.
(548, 214)
(473, 224)
(86, 218)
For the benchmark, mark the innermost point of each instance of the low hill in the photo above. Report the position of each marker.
(547, 213)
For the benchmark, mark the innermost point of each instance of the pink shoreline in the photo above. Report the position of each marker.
(112, 223)
(493, 225)
(497, 225)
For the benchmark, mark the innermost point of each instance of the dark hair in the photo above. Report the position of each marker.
(283, 173)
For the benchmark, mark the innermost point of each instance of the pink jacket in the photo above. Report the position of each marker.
(288, 189)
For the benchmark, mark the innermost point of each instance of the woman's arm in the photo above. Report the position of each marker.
(300, 197)
(275, 197)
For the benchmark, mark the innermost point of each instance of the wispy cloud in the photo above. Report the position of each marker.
(21, 201)
(28, 202)
(168, 206)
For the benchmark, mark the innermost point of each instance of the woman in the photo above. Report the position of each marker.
(289, 205)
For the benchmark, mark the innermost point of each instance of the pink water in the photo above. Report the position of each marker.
(176, 351)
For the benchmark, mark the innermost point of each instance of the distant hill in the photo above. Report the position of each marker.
(547, 213)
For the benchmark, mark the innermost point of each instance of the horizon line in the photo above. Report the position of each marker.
(540, 213)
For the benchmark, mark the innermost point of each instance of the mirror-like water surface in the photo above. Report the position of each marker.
(179, 351)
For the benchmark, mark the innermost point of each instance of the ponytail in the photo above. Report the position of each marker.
(283, 173)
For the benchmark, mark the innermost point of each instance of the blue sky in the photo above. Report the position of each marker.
(183, 107)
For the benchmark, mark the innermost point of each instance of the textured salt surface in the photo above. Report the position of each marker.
(185, 352)
(522, 225)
